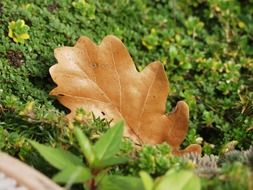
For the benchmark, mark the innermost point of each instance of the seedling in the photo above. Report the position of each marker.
(18, 31)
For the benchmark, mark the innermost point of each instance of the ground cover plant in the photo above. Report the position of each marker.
(205, 48)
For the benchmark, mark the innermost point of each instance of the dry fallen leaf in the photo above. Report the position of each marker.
(103, 79)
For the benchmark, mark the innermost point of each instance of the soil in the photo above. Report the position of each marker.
(16, 58)
(52, 7)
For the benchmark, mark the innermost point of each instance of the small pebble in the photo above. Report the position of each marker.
(2, 176)
(7, 183)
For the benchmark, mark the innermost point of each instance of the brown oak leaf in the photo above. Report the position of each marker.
(103, 79)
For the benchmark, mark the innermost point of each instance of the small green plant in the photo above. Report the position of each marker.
(151, 40)
(99, 157)
(173, 179)
(18, 31)
(86, 9)
(155, 160)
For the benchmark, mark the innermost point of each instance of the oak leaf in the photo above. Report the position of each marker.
(103, 79)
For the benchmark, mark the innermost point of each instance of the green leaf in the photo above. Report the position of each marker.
(57, 157)
(113, 161)
(120, 183)
(85, 146)
(109, 144)
(73, 174)
(147, 180)
(179, 180)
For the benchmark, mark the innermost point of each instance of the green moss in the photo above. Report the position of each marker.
(205, 47)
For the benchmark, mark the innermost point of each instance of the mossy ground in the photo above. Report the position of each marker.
(205, 46)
